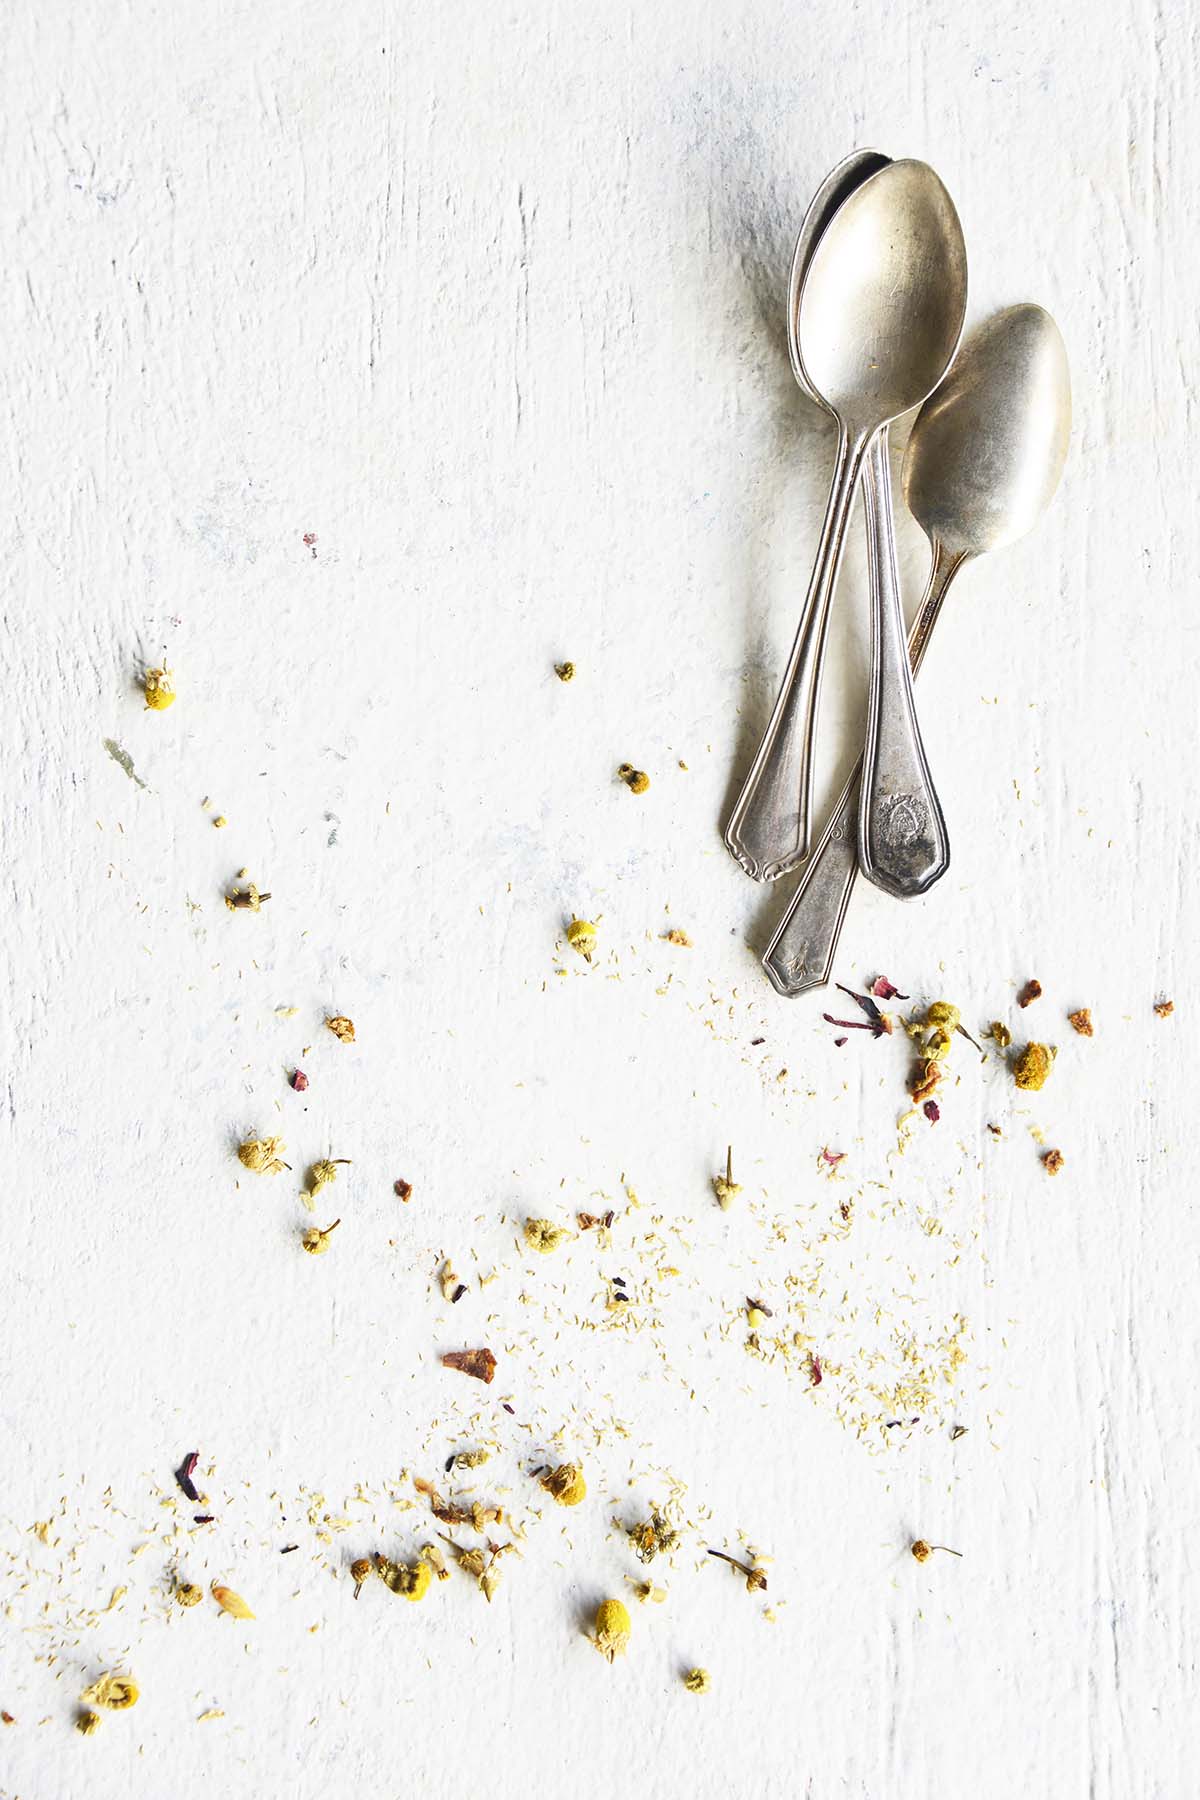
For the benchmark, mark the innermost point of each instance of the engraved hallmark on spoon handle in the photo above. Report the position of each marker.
(800, 955)
(903, 845)
(768, 831)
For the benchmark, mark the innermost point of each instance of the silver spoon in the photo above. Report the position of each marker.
(983, 462)
(903, 845)
(880, 314)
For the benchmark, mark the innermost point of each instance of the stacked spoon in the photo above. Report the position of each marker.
(876, 305)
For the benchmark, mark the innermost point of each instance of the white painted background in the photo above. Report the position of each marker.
(489, 298)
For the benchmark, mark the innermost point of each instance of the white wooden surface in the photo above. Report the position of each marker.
(488, 298)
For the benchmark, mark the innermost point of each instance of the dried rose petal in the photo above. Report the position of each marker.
(815, 1370)
(403, 1188)
(882, 989)
(183, 1476)
(932, 1111)
(299, 1080)
(833, 1157)
(1030, 992)
(480, 1363)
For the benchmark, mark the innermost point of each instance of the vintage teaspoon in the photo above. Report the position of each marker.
(983, 462)
(880, 314)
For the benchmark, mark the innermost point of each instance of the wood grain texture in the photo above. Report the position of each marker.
(489, 302)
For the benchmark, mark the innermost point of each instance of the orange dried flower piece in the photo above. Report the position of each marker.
(1029, 993)
(479, 1363)
(342, 1028)
(1052, 1161)
(1164, 1008)
(1081, 1022)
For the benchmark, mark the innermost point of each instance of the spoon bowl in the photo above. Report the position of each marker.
(987, 451)
(836, 188)
(882, 305)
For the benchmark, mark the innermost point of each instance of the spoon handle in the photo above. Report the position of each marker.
(768, 831)
(903, 846)
(800, 955)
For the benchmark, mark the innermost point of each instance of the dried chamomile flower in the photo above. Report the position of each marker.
(452, 1288)
(159, 689)
(999, 1033)
(612, 1628)
(361, 1569)
(646, 1590)
(1081, 1022)
(543, 1235)
(470, 1459)
(677, 936)
(245, 899)
(942, 1016)
(430, 1554)
(481, 1565)
(342, 1028)
(581, 935)
(636, 780)
(230, 1603)
(220, 822)
(262, 1155)
(565, 1484)
(565, 671)
(923, 1551)
(112, 1692)
(187, 1593)
(653, 1535)
(1052, 1161)
(411, 1581)
(316, 1241)
(320, 1175)
(724, 1186)
(87, 1723)
(698, 1681)
(756, 1575)
(1032, 1066)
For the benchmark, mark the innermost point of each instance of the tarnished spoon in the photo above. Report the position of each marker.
(880, 312)
(983, 462)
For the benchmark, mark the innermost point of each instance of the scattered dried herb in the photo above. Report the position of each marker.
(677, 936)
(995, 1131)
(1081, 1022)
(479, 1363)
(203, 1518)
(187, 1593)
(87, 1723)
(724, 1186)
(882, 989)
(544, 1236)
(636, 780)
(816, 1373)
(1052, 1161)
(1164, 1008)
(590, 1221)
(756, 1577)
(581, 935)
(403, 1189)
(565, 671)
(959, 1431)
(113, 1693)
(184, 1473)
(159, 689)
(924, 1079)
(831, 1158)
(342, 1028)
(698, 1681)
(1029, 993)
(315, 1241)
(1032, 1066)
(321, 1175)
(612, 1628)
(361, 1570)
(246, 899)
(877, 1023)
(999, 1033)
(923, 1551)
(299, 1080)
(932, 1111)
(262, 1155)
(230, 1603)
(653, 1536)
(565, 1484)
(402, 1578)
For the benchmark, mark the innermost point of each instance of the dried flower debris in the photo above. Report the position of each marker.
(404, 1189)
(1029, 993)
(922, 1550)
(159, 689)
(315, 1240)
(1081, 1021)
(112, 1693)
(698, 1681)
(725, 1187)
(755, 1574)
(262, 1156)
(246, 898)
(341, 1027)
(230, 1602)
(565, 671)
(544, 1236)
(612, 1629)
(565, 1484)
(636, 780)
(479, 1363)
(1052, 1161)
(581, 935)
(1164, 1008)
(1032, 1066)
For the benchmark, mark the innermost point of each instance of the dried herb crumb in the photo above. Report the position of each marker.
(636, 780)
(932, 1111)
(1032, 1066)
(159, 689)
(187, 1593)
(403, 1189)
(959, 1431)
(923, 1551)
(184, 1473)
(315, 1240)
(87, 1722)
(565, 1484)
(299, 1080)
(1029, 993)
(229, 1602)
(479, 1363)
(341, 1027)
(999, 1033)
(262, 1155)
(995, 1131)
(246, 899)
(653, 1536)
(1081, 1022)
(565, 671)
(113, 1693)
(724, 1186)
(1052, 1161)
(882, 989)
(678, 936)
(1164, 1008)
(698, 1681)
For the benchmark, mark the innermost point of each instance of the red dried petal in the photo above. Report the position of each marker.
(932, 1111)
(882, 989)
(815, 1370)
(833, 1157)
(480, 1363)
(299, 1080)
